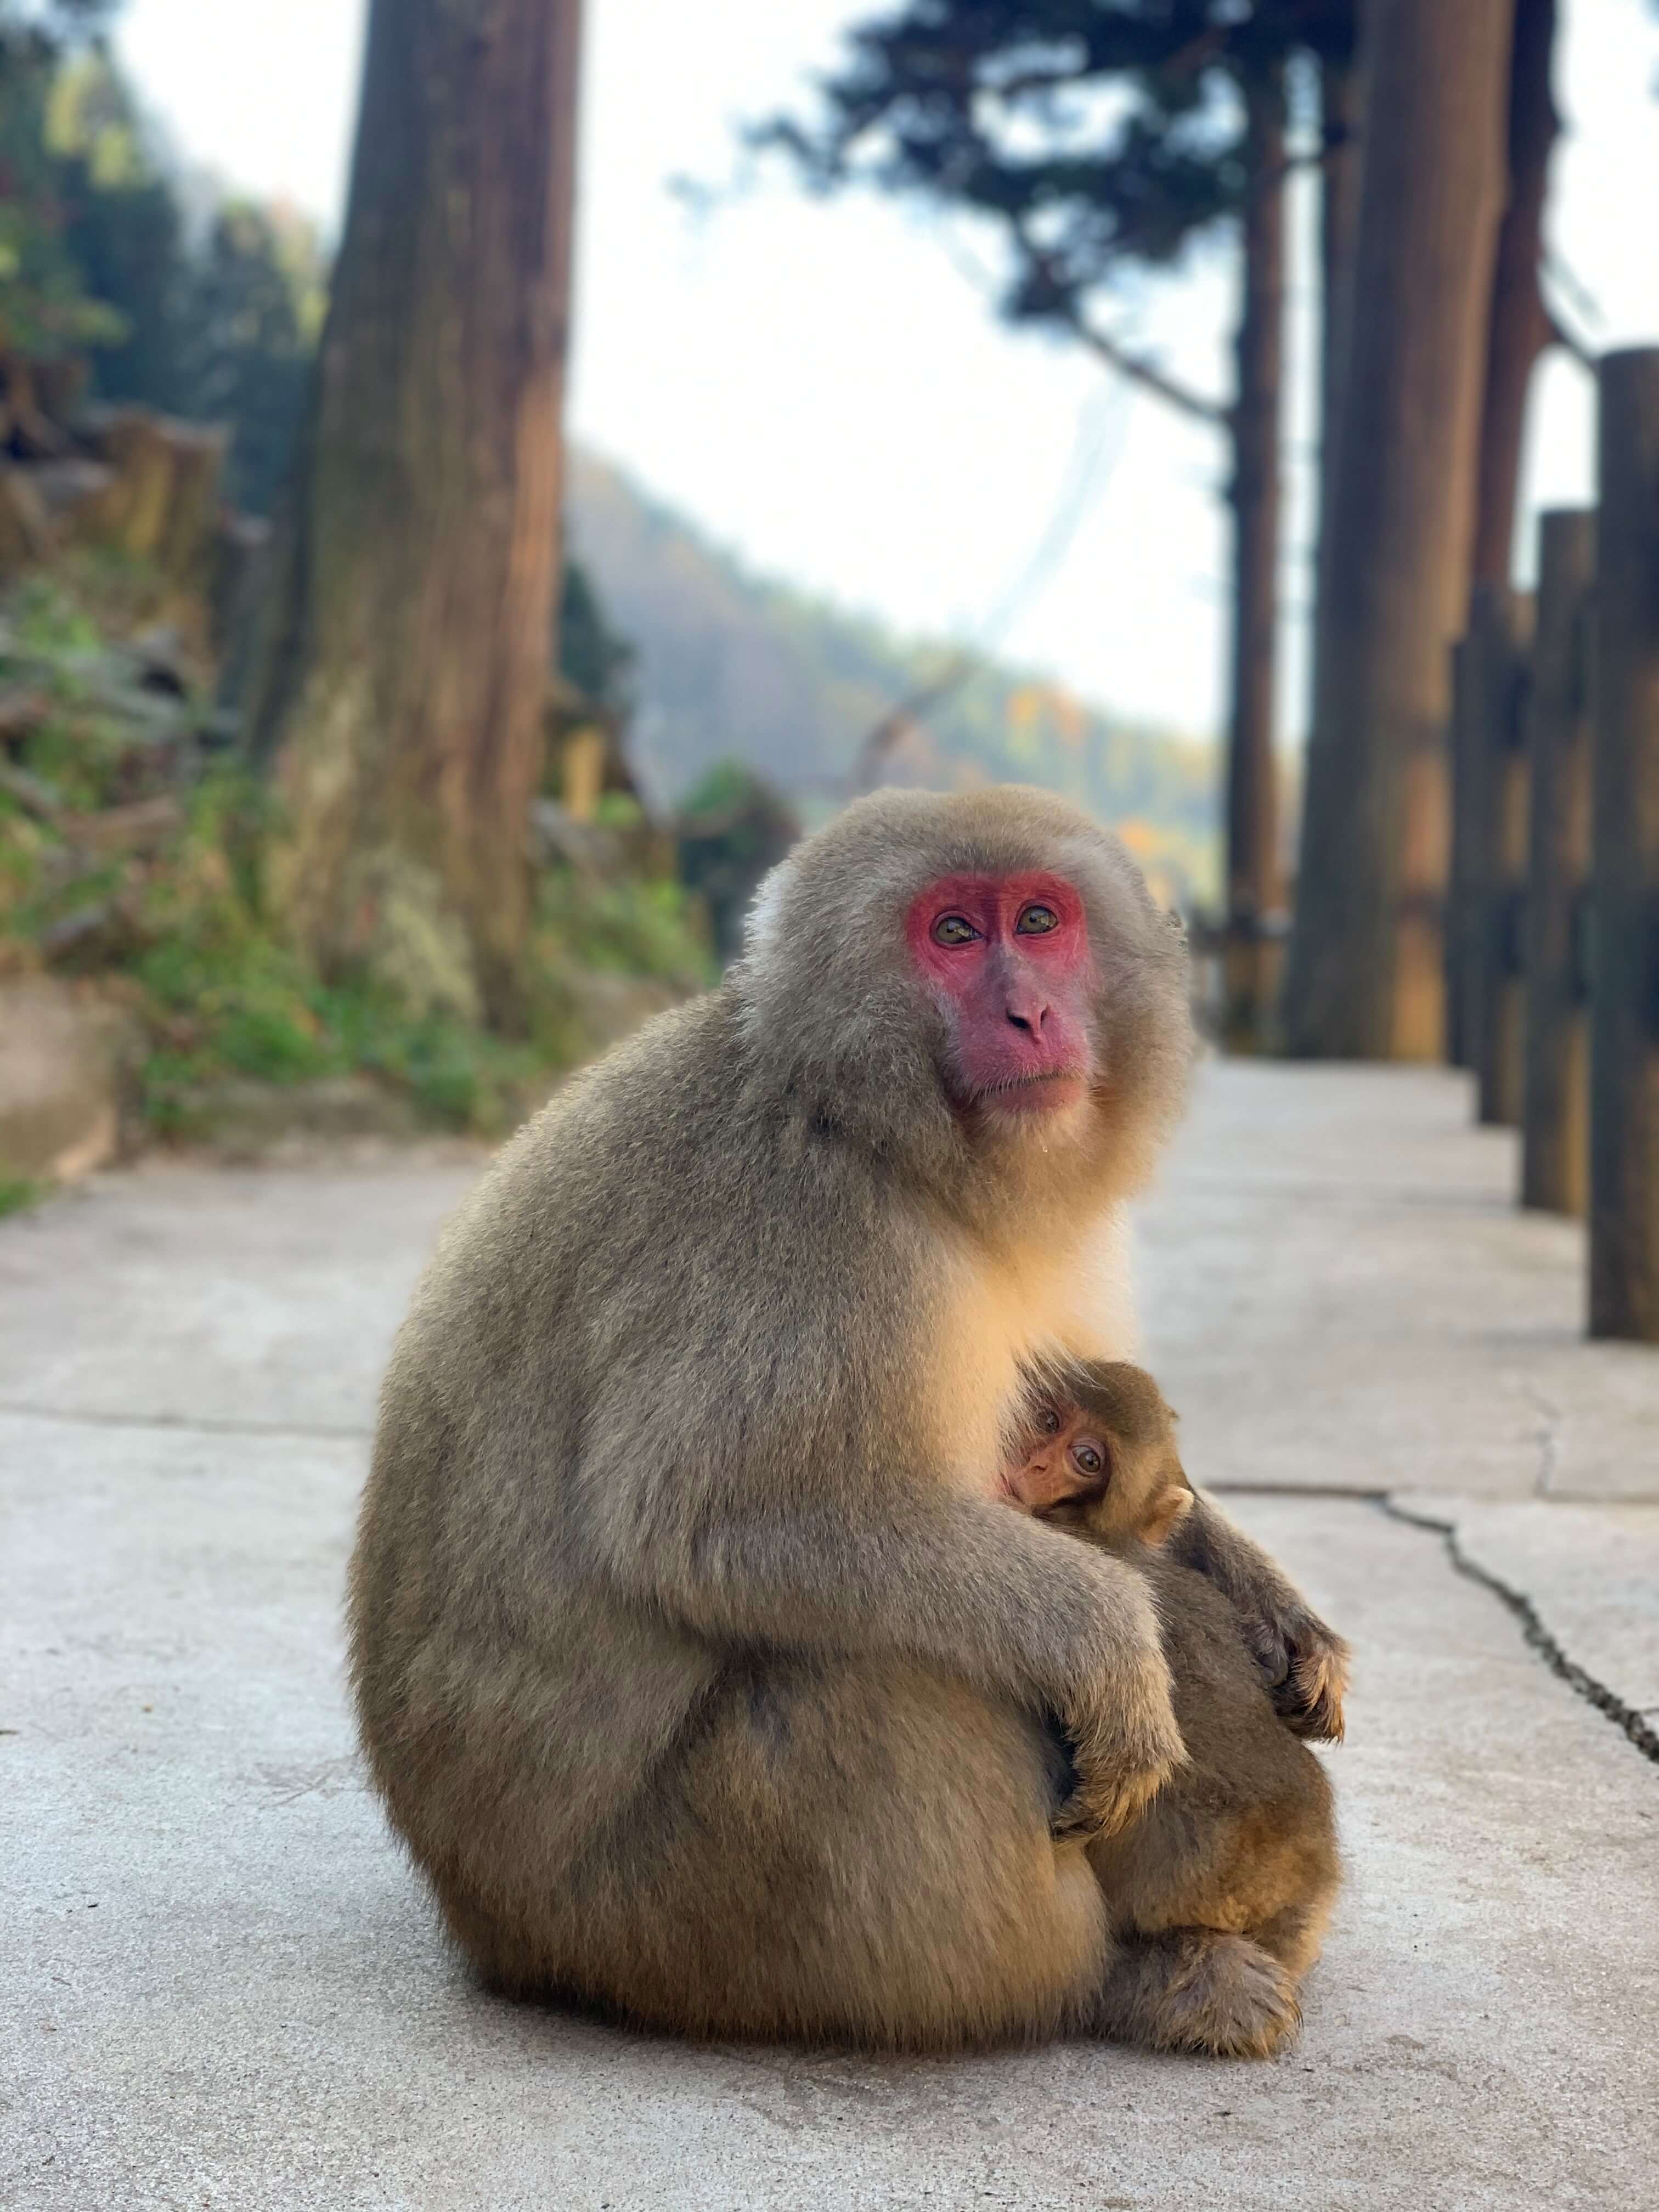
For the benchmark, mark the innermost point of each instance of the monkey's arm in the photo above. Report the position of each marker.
(960, 1585)
(1304, 1662)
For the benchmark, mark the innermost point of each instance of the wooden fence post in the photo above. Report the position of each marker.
(1489, 846)
(1624, 1299)
(1555, 1117)
(1455, 943)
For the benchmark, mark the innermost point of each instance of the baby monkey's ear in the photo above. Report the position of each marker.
(1165, 1513)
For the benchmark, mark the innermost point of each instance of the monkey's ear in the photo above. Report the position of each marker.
(1168, 1509)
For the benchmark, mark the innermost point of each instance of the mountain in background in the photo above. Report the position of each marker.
(730, 667)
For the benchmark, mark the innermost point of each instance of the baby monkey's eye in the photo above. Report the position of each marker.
(1088, 1458)
(1049, 1421)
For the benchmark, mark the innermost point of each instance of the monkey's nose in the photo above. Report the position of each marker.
(1030, 1015)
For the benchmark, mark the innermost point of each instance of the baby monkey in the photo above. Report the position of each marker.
(1098, 1457)
(1103, 1459)
(1218, 1895)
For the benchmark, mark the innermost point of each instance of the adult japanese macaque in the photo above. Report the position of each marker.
(697, 1658)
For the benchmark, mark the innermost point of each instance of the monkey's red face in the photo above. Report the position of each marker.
(1006, 958)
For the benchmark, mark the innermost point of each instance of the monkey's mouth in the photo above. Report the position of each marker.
(1044, 1091)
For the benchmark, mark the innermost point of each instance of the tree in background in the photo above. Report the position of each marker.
(1364, 975)
(122, 226)
(217, 323)
(48, 316)
(404, 677)
(1106, 140)
(596, 660)
(1520, 324)
(254, 303)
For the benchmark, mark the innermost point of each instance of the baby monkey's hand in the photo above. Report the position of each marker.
(1305, 1666)
(1303, 1663)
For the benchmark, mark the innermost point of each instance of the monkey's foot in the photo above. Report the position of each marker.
(1195, 1989)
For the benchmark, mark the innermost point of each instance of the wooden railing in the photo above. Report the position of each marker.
(1552, 919)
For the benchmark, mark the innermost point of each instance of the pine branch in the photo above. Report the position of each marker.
(1061, 300)
(1570, 342)
(1147, 374)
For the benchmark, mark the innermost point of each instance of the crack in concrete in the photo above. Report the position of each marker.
(1629, 1719)
(205, 1425)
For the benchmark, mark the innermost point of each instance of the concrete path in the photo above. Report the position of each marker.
(218, 1984)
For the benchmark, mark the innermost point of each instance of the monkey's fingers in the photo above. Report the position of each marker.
(1109, 1798)
(1269, 1646)
(1085, 1818)
(1310, 1700)
(1076, 1822)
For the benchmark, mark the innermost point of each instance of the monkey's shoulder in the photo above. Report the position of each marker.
(663, 1203)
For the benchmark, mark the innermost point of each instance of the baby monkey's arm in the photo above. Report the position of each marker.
(1305, 1662)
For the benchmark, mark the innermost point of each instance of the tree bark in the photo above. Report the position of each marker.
(1338, 230)
(1365, 977)
(402, 684)
(1518, 326)
(1342, 108)
(1254, 894)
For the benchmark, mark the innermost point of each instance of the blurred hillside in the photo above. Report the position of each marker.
(729, 664)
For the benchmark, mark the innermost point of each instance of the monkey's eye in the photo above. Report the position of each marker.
(1049, 1421)
(1036, 921)
(954, 929)
(1088, 1458)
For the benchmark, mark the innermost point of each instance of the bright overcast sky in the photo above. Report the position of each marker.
(822, 386)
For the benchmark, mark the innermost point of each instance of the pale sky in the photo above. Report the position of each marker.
(824, 389)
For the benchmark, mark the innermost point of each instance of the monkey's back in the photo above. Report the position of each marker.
(1243, 1838)
(592, 1353)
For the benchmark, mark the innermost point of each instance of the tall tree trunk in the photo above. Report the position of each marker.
(1340, 104)
(1339, 232)
(403, 681)
(1365, 977)
(1518, 327)
(1253, 867)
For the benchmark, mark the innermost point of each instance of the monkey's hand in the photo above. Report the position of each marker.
(1305, 1666)
(1303, 1663)
(1121, 1729)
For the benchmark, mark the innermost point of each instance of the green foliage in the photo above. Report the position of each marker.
(225, 997)
(18, 1193)
(732, 827)
(122, 228)
(47, 312)
(188, 945)
(225, 331)
(1097, 137)
(620, 925)
(592, 656)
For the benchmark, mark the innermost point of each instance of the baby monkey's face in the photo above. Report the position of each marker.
(1100, 1457)
(1067, 1460)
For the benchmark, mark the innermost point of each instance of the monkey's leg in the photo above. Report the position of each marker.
(845, 1853)
(1199, 1989)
